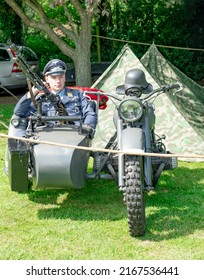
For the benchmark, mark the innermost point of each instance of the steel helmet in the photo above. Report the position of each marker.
(136, 78)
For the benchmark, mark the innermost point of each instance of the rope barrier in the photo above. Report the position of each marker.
(148, 44)
(93, 149)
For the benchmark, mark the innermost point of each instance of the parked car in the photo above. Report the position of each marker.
(11, 76)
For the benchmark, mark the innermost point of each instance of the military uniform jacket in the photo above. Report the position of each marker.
(75, 102)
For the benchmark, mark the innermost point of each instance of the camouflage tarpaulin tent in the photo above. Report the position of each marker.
(112, 77)
(185, 130)
(182, 137)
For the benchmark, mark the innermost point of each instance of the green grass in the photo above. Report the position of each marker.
(5, 115)
(92, 223)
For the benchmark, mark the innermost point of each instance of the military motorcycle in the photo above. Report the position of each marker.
(46, 166)
(56, 167)
(134, 172)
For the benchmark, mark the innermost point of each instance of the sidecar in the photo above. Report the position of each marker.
(53, 166)
(49, 166)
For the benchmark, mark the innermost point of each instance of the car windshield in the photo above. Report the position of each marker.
(28, 54)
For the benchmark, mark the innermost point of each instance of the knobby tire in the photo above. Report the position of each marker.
(134, 196)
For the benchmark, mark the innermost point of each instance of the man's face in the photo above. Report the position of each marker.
(56, 83)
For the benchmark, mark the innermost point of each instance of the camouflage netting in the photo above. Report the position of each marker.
(180, 117)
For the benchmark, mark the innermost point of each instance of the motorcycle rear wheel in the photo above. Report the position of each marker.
(134, 195)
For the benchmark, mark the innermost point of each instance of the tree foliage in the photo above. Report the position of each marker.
(68, 24)
(67, 29)
(176, 23)
(10, 24)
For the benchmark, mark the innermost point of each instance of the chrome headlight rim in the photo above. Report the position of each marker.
(15, 121)
(132, 102)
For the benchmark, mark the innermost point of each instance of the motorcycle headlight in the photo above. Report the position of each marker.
(130, 110)
(15, 121)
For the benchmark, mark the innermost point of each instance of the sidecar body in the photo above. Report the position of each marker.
(49, 166)
(59, 167)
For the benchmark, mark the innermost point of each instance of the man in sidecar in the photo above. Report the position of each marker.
(74, 104)
(74, 101)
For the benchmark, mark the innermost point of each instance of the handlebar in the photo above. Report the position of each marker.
(55, 118)
(83, 129)
(173, 86)
(164, 88)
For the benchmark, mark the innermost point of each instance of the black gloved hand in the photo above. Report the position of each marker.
(87, 129)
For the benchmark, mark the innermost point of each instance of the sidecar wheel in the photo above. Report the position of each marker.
(134, 195)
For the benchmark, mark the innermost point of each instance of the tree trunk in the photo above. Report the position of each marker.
(82, 66)
(82, 54)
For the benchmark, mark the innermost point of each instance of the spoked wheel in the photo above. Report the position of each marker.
(134, 195)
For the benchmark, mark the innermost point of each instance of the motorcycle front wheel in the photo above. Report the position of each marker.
(134, 195)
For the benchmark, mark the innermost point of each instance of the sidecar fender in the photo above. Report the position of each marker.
(132, 139)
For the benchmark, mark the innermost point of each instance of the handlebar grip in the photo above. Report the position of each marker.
(173, 86)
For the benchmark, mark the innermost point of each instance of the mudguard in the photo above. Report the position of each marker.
(57, 167)
(132, 139)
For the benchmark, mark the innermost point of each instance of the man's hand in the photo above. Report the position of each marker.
(35, 90)
(87, 129)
